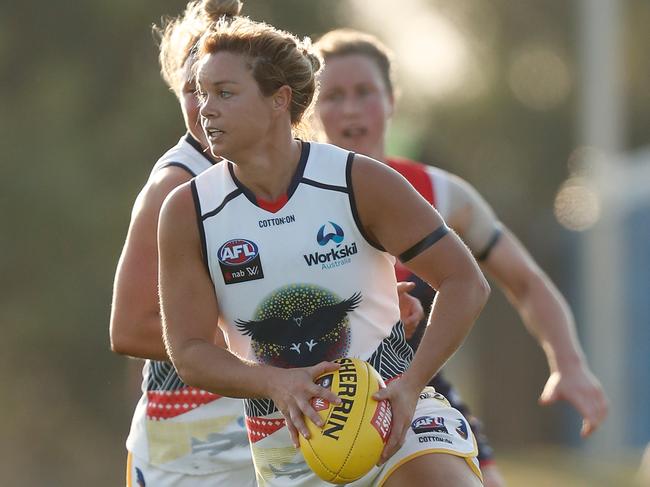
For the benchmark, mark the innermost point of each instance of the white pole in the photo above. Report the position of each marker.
(602, 128)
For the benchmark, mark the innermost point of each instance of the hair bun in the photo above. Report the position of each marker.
(315, 60)
(215, 9)
(313, 56)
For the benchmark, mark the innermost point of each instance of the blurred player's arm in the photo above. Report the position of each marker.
(395, 216)
(411, 311)
(190, 312)
(542, 308)
(135, 325)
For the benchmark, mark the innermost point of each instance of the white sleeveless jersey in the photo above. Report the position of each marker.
(303, 284)
(178, 428)
(187, 154)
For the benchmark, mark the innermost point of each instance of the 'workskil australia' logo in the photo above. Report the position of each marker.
(300, 325)
(340, 254)
(240, 261)
(337, 235)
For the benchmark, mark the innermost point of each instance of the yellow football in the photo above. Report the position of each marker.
(355, 431)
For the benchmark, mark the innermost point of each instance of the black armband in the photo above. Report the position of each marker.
(481, 256)
(425, 243)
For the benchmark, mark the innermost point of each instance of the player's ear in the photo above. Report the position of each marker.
(281, 99)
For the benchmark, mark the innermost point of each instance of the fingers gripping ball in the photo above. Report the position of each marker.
(355, 431)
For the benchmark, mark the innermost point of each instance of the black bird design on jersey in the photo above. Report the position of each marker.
(299, 337)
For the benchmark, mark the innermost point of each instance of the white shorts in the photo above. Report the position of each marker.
(140, 473)
(436, 428)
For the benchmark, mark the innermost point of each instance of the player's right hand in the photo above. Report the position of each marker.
(292, 391)
(403, 398)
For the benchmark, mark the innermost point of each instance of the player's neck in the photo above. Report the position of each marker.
(268, 170)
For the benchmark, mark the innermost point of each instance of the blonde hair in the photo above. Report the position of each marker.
(178, 36)
(276, 58)
(345, 42)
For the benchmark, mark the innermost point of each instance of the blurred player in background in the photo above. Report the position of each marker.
(180, 435)
(284, 247)
(356, 103)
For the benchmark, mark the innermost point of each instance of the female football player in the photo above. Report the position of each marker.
(288, 245)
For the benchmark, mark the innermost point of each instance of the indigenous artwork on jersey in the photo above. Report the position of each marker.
(300, 325)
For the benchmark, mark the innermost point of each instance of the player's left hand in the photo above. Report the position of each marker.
(582, 390)
(403, 399)
(410, 308)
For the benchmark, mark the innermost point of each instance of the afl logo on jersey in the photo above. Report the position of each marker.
(237, 252)
(240, 261)
(429, 424)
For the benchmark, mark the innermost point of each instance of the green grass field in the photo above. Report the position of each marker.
(559, 467)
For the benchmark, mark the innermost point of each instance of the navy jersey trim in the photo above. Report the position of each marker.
(199, 221)
(226, 200)
(485, 253)
(293, 185)
(197, 146)
(250, 196)
(305, 149)
(425, 243)
(353, 205)
(179, 165)
(330, 187)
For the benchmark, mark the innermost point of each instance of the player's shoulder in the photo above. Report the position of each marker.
(372, 170)
(179, 202)
(409, 167)
(321, 156)
(177, 165)
(439, 177)
(323, 149)
(375, 179)
(177, 222)
(187, 155)
(324, 164)
(179, 152)
(163, 182)
(157, 188)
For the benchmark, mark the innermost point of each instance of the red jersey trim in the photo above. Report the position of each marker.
(169, 404)
(273, 206)
(259, 428)
(416, 174)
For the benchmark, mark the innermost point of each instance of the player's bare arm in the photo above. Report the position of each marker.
(398, 219)
(411, 311)
(135, 324)
(190, 313)
(548, 317)
(541, 306)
